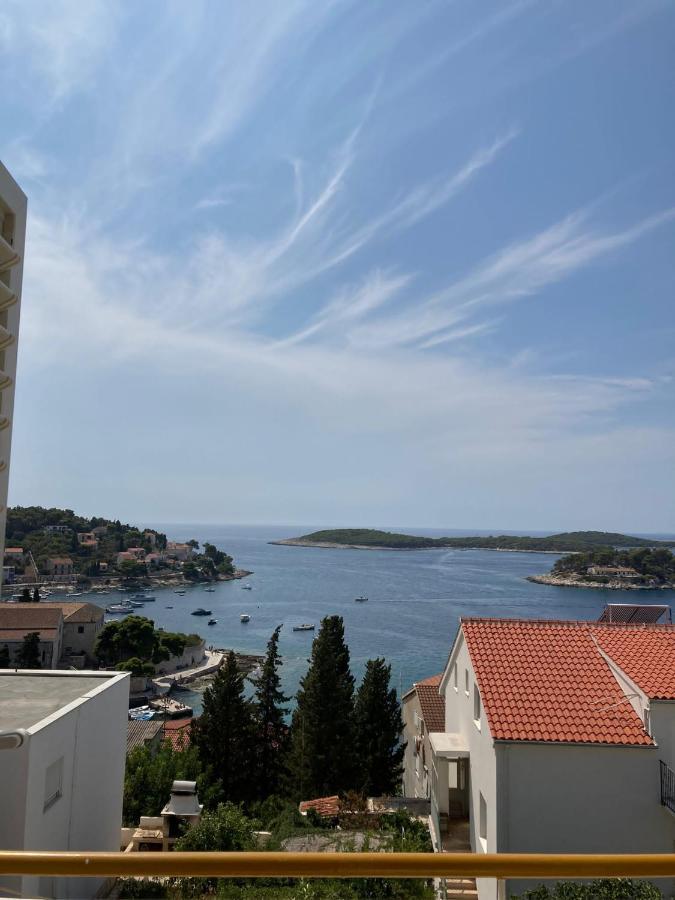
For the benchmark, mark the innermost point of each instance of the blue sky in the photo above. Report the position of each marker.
(346, 263)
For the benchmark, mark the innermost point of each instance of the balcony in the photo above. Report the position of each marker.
(667, 787)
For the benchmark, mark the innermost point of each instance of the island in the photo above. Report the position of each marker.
(58, 546)
(643, 568)
(372, 539)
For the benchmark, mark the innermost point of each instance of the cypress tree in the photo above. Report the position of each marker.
(378, 731)
(224, 733)
(28, 656)
(271, 729)
(5, 661)
(321, 757)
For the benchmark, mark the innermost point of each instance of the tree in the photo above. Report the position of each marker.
(194, 544)
(149, 776)
(25, 596)
(5, 659)
(601, 889)
(28, 656)
(321, 758)
(36, 595)
(378, 731)
(136, 667)
(224, 733)
(271, 728)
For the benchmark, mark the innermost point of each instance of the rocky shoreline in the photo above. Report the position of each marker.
(613, 585)
(328, 545)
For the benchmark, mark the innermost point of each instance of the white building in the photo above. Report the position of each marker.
(559, 737)
(423, 712)
(12, 237)
(62, 755)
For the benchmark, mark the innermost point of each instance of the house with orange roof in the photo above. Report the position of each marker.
(559, 736)
(423, 712)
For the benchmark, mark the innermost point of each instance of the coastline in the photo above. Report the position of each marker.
(328, 545)
(560, 581)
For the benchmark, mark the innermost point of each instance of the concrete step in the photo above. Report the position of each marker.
(459, 889)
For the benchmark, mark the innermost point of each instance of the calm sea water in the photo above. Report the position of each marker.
(415, 598)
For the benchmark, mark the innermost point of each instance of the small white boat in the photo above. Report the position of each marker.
(180, 591)
(244, 617)
(210, 590)
(119, 608)
(360, 599)
(303, 627)
(246, 587)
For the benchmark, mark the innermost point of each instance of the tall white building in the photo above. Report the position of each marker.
(62, 754)
(12, 239)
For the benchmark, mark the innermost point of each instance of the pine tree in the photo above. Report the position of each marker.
(378, 732)
(271, 729)
(321, 757)
(224, 733)
(28, 656)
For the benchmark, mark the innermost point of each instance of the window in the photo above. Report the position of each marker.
(466, 682)
(80, 629)
(476, 706)
(482, 822)
(53, 779)
(455, 676)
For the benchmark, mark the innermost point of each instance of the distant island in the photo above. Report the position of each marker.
(566, 542)
(644, 568)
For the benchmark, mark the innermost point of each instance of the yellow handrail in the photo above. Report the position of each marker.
(339, 865)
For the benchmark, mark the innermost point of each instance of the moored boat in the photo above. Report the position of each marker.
(200, 612)
(119, 608)
(304, 627)
(360, 599)
(212, 622)
(244, 617)
(246, 587)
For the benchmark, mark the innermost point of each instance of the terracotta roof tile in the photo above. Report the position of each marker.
(431, 703)
(324, 806)
(548, 681)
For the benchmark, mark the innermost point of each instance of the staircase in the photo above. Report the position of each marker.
(456, 889)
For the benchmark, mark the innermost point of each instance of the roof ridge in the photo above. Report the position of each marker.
(587, 623)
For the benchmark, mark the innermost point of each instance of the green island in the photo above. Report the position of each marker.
(58, 545)
(642, 568)
(566, 542)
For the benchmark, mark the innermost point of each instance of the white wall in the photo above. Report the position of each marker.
(581, 799)
(12, 202)
(90, 738)
(459, 712)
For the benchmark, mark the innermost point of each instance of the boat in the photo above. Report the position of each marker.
(149, 598)
(246, 587)
(119, 608)
(200, 612)
(179, 591)
(212, 622)
(132, 603)
(142, 713)
(244, 617)
(168, 607)
(209, 590)
(360, 599)
(303, 627)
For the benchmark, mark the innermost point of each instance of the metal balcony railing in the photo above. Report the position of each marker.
(339, 865)
(667, 786)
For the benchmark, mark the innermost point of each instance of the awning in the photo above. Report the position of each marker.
(448, 745)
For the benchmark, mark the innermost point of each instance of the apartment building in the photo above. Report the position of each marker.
(62, 755)
(423, 712)
(559, 737)
(13, 206)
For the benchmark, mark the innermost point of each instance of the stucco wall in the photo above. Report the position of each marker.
(81, 642)
(582, 799)
(89, 738)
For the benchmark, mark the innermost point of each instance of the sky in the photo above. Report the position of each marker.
(346, 263)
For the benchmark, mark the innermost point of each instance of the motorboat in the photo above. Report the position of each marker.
(149, 598)
(244, 617)
(210, 590)
(246, 587)
(304, 627)
(179, 591)
(360, 599)
(134, 603)
(212, 622)
(200, 612)
(119, 608)
(168, 607)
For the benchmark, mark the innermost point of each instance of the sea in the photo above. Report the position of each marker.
(415, 598)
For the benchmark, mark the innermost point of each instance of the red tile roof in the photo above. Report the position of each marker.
(325, 806)
(178, 732)
(431, 703)
(548, 680)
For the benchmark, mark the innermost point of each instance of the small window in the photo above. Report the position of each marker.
(466, 682)
(80, 629)
(53, 783)
(455, 676)
(476, 705)
(482, 822)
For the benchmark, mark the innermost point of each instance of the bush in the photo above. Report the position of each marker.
(602, 889)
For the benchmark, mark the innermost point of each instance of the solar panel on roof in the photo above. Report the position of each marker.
(634, 613)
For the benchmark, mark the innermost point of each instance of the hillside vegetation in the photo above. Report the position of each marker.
(570, 541)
